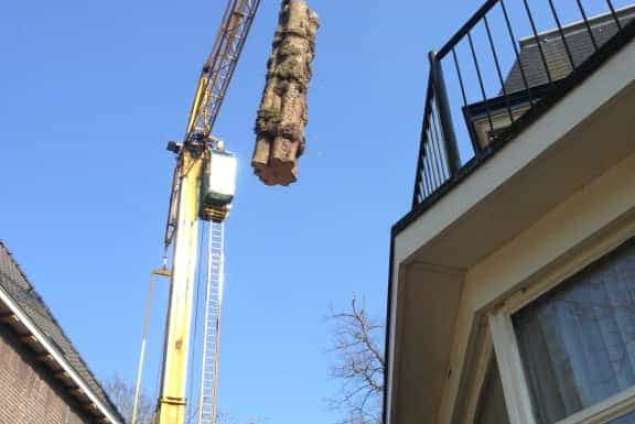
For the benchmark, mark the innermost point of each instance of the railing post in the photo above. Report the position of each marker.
(441, 98)
(419, 172)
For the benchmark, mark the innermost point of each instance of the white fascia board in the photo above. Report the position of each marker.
(392, 335)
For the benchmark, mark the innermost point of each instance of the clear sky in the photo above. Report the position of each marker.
(89, 96)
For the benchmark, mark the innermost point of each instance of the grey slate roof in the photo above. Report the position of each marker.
(16, 284)
(579, 41)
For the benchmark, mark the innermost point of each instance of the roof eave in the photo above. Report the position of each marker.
(51, 355)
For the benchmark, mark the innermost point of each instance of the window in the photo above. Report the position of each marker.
(576, 344)
(491, 405)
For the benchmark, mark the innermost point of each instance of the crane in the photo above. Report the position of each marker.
(203, 186)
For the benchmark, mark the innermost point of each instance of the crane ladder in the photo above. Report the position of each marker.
(207, 410)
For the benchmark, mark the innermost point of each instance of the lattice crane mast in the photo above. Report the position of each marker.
(203, 188)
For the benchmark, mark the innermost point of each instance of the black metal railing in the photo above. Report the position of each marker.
(485, 83)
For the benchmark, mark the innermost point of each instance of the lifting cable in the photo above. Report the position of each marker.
(160, 272)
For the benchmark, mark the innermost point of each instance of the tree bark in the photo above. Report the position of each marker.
(282, 116)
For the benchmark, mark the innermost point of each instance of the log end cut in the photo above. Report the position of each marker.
(282, 116)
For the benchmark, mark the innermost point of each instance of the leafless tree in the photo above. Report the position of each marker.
(358, 364)
(225, 418)
(121, 392)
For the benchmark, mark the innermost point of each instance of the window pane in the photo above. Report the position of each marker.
(491, 406)
(577, 342)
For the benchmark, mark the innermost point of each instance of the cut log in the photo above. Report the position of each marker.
(282, 116)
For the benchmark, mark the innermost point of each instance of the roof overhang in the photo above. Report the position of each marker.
(50, 356)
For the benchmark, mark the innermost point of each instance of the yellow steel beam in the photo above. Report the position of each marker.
(199, 100)
(173, 388)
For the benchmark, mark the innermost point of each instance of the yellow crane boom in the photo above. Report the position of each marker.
(192, 172)
(219, 68)
(172, 403)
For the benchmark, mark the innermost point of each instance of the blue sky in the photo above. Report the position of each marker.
(90, 94)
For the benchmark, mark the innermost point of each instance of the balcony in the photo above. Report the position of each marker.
(486, 86)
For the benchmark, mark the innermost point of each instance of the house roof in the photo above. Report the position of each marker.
(577, 39)
(15, 283)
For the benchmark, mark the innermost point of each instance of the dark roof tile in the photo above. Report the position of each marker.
(577, 39)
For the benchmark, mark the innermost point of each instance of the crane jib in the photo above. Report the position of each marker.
(219, 68)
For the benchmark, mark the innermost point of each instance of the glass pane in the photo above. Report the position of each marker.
(491, 406)
(577, 342)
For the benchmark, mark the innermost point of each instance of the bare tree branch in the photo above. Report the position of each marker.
(121, 392)
(358, 364)
(225, 418)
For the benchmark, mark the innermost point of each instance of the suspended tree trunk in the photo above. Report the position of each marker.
(282, 116)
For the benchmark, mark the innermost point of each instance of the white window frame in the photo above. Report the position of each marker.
(501, 328)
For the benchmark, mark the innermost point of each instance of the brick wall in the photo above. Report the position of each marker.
(28, 394)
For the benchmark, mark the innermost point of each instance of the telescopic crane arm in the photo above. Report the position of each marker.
(199, 152)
